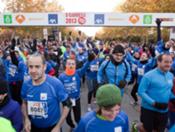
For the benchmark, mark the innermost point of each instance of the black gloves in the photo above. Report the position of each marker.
(158, 21)
(122, 84)
(13, 44)
(161, 106)
(172, 101)
(91, 56)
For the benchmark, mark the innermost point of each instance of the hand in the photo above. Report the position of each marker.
(158, 21)
(160, 106)
(56, 129)
(27, 125)
(122, 84)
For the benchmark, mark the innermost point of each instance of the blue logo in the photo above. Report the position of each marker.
(53, 18)
(99, 19)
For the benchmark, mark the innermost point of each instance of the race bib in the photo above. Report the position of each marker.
(140, 71)
(94, 67)
(134, 66)
(118, 129)
(73, 102)
(12, 71)
(37, 108)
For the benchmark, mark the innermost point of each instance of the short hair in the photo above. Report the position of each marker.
(37, 54)
(160, 57)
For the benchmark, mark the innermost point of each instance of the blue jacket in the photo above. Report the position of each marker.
(113, 74)
(132, 61)
(156, 86)
(12, 111)
(173, 67)
(144, 68)
(172, 129)
(140, 68)
(160, 48)
(15, 73)
(91, 123)
(72, 83)
(81, 57)
(66, 55)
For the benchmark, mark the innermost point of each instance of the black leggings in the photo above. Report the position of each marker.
(134, 91)
(36, 129)
(153, 120)
(77, 114)
(90, 94)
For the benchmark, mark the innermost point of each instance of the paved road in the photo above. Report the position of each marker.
(133, 112)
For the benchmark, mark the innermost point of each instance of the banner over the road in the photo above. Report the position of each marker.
(86, 19)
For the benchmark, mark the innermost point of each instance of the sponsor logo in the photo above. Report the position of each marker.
(167, 19)
(20, 18)
(134, 19)
(75, 18)
(99, 19)
(147, 19)
(53, 18)
(43, 96)
(8, 19)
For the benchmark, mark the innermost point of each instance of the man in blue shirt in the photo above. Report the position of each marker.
(116, 71)
(155, 91)
(42, 95)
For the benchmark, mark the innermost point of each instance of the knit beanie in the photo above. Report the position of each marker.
(118, 49)
(108, 95)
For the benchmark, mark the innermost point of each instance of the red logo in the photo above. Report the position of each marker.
(75, 18)
(81, 20)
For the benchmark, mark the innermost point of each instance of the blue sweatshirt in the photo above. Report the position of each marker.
(12, 111)
(15, 73)
(156, 86)
(72, 83)
(43, 101)
(91, 72)
(91, 123)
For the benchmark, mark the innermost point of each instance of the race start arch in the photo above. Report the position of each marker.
(86, 19)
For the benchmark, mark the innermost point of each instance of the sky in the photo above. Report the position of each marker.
(85, 6)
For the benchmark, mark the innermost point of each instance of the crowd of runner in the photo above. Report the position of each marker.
(36, 76)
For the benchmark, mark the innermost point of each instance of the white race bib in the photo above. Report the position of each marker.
(94, 67)
(134, 66)
(118, 129)
(140, 71)
(37, 108)
(73, 102)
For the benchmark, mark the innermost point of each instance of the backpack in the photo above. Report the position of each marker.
(104, 70)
